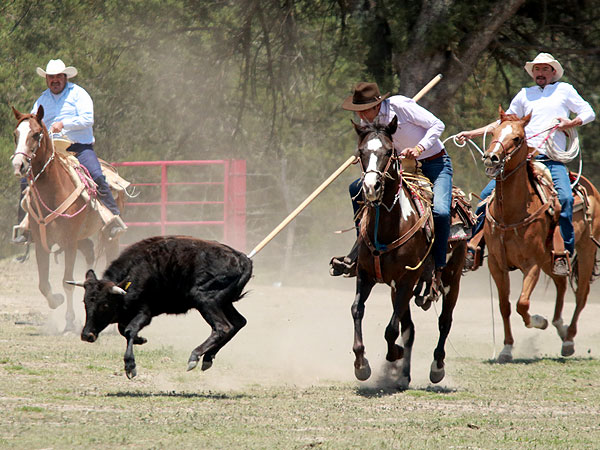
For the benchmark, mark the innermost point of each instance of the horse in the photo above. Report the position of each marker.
(58, 213)
(520, 228)
(390, 216)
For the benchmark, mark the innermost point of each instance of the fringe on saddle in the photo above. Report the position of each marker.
(462, 217)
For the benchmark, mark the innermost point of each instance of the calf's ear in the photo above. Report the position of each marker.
(90, 275)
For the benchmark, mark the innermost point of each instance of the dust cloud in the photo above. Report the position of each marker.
(303, 335)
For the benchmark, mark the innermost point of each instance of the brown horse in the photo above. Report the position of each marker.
(519, 232)
(393, 245)
(58, 214)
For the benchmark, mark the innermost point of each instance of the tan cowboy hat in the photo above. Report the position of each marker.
(56, 66)
(365, 96)
(545, 58)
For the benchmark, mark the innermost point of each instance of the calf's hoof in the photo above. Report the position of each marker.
(131, 373)
(568, 348)
(206, 364)
(436, 375)
(363, 372)
(192, 363)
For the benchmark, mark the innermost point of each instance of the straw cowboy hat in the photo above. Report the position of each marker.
(56, 66)
(545, 58)
(365, 96)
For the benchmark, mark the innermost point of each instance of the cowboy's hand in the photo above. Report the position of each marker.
(56, 127)
(463, 136)
(411, 152)
(565, 124)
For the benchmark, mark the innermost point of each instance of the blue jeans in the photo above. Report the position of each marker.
(439, 172)
(562, 184)
(87, 157)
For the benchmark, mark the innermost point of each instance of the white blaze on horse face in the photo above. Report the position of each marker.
(371, 175)
(506, 131)
(19, 159)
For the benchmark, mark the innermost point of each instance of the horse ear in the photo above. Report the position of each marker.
(18, 115)
(525, 120)
(90, 275)
(40, 114)
(360, 130)
(392, 126)
(501, 112)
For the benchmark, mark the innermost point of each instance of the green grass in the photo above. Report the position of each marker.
(59, 392)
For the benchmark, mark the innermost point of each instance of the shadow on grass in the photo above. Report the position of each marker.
(379, 391)
(208, 395)
(542, 359)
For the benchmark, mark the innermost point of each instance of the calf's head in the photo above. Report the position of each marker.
(103, 300)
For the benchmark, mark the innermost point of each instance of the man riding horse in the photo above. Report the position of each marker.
(417, 137)
(549, 102)
(68, 109)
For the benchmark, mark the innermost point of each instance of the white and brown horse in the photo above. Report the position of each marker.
(393, 244)
(58, 213)
(519, 233)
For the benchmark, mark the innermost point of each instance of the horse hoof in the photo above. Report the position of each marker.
(363, 373)
(505, 355)
(70, 328)
(560, 329)
(568, 348)
(55, 300)
(538, 321)
(403, 383)
(436, 375)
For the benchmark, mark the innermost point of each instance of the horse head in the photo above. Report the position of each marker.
(28, 134)
(507, 139)
(376, 153)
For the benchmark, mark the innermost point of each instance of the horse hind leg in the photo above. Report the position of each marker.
(43, 262)
(408, 338)
(452, 274)
(86, 247)
(70, 255)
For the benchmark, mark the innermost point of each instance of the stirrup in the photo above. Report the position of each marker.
(473, 259)
(114, 227)
(561, 264)
(342, 265)
(20, 235)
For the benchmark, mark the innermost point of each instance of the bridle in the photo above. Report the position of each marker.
(393, 159)
(507, 157)
(28, 174)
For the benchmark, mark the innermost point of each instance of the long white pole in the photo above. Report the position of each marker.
(328, 181)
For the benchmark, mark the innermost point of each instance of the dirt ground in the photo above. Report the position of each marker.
(303, 335)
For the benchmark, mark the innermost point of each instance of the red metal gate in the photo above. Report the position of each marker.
(232, 185)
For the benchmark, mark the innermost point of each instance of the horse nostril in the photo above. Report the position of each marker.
(377, 185)
(495, 158)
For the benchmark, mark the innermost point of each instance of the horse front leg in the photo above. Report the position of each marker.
(503, 285)
(362, 370)
(70, 255)
(531, 276)
(408, 338)
(43, 262)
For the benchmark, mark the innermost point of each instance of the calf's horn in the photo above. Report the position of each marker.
(75, 283)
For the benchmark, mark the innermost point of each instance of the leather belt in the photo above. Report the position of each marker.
(436, 156)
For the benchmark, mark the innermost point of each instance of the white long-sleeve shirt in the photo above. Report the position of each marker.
(74, 107)
(416, 125)
(546, 104)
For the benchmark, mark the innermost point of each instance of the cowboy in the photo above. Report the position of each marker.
(69, 110)
(417, 137)
(550, 103)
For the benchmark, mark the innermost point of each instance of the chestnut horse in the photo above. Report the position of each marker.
(58, 215)
(519, 232)
(393, 244)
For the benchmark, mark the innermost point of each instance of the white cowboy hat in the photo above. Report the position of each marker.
(545, 58)
(56, 66)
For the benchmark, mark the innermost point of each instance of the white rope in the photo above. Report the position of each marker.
(556, 153)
